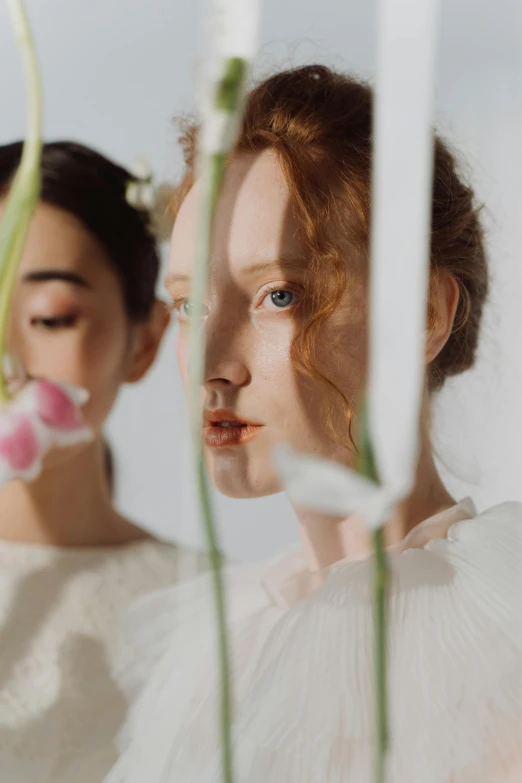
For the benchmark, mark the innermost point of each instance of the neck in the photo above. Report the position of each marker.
(69, 504)
(327, 540)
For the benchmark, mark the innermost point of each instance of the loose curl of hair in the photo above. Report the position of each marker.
(319, 123)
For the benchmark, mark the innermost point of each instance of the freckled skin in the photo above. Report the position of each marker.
(249, 367)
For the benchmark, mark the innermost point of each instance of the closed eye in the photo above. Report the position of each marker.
(61, 322)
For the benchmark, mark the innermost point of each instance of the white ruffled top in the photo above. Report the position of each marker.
(60, 708)
(302, 659)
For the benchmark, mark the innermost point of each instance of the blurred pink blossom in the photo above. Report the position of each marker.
(42, 415)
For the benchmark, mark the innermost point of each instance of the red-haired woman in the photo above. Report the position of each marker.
(286, 315)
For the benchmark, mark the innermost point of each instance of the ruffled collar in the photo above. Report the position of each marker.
(289, 579)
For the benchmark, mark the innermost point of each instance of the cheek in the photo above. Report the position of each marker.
(342, 356)
(271, 350)
(92, 355)
(182, 354)
(310, 416)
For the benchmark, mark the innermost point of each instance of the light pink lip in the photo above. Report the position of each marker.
(241, 430)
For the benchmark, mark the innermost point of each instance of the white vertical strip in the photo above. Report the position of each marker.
(402, 179)
(237, 23)
(236, 26)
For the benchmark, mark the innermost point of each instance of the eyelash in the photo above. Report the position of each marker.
(176, 305)
(54, 324)
(271, 289)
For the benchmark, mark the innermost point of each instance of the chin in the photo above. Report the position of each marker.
(58, 456)
(238, 478)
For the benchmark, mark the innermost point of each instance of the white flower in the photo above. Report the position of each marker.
(326, 486)
(44, 414)
(141, 170)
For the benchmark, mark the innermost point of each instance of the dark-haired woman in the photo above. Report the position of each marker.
(84, 312)
(286, 315)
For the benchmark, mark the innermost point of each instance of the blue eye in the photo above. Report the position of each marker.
(185, 309)
(282, 298)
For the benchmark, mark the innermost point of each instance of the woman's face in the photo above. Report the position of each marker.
(68, 320)
(253, 396)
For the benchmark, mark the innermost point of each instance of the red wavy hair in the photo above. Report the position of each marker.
(319, 123)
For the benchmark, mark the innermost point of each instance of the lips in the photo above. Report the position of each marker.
(226, 428)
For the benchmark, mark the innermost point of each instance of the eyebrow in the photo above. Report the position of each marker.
(47, 275)
(176, 278)
(248, 271)
(265, 266)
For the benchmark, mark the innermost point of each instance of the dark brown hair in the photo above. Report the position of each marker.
(319, 123)
(91, 187)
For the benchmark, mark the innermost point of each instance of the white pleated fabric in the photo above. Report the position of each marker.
(303, 664)
(60, 709)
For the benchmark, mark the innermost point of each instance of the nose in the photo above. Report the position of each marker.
(228, 349)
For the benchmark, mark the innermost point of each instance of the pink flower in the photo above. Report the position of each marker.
(43, 414)
(19, 443)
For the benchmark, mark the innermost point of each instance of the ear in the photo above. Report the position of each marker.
(146, 340)
(442, 306)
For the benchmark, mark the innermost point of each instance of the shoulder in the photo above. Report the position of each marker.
(485, 553)
(504, 519)
(150, 563)
(454, 662)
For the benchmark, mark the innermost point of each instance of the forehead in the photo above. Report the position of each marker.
(253, 221)
(56, 239)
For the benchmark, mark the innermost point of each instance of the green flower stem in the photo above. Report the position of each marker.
(212, 178)
(380, 590)
(381, 579)
(25, 190)
(227, 100)
(221, 617)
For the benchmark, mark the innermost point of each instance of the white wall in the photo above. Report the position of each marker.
(116, 71)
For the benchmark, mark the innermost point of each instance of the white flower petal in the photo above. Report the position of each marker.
(31, 473)
(379, 510)
(323, 485)
(132, 194)
(70, 437)
(237, 28)
(403, 158)
(141, 169)
(6, 473)
(148, 196)
(219, 132)
(326, 486)
(77, 394)
(26, 402)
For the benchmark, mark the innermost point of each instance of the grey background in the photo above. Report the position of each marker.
(117, 71)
